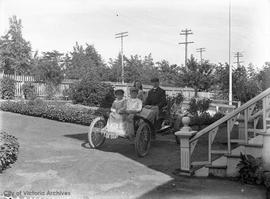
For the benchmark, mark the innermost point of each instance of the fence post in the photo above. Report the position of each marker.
(266, 150)
(184, 136)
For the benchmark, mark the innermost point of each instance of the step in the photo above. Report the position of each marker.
(217, 170)
(232, 156)
(237, 141)
(251, 145)
(256, 131)
(219, 151)
(232, 162)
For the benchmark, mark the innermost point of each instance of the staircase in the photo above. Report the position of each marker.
(251, 121)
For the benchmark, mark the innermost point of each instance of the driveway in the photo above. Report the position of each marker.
(56, 162)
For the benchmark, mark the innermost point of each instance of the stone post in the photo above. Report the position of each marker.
(266, 150)
(184, 136)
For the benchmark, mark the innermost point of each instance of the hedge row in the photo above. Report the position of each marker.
(59, 112)
(9, 148)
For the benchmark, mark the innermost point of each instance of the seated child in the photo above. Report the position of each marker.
(116, 121)
(133, 106)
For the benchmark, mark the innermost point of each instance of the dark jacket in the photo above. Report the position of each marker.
(156, 97)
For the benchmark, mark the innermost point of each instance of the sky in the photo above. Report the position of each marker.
(153, 26)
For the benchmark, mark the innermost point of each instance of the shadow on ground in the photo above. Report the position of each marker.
(164, 156)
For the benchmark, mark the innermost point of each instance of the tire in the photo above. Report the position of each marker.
(143, 139)
(96, 139)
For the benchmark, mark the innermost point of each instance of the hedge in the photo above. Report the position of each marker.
(59, 112)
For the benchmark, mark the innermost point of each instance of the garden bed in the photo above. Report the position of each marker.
(64, 112)
(9, 148)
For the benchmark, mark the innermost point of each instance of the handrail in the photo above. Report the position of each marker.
(231, 115)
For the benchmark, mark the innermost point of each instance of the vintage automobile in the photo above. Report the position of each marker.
(145, 131)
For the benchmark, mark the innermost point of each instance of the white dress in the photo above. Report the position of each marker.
(134, 105)
(116, 123)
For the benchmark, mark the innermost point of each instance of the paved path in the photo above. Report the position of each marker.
(53, 156)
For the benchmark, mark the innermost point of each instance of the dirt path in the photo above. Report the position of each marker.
(55, 162)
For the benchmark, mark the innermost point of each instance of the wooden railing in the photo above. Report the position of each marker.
(247, 116)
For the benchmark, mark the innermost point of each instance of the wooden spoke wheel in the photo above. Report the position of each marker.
(143, 139)
(95, 137)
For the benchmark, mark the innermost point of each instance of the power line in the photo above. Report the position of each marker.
(238, 55)
(186, 32)
(200, 50)
(122, 35)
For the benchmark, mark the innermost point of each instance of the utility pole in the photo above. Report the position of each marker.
(200, 50)
(122, 35)
(186, 32)
(238, 55)
(230, 67)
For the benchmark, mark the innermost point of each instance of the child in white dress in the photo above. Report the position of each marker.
(133, 106)
(116, 122)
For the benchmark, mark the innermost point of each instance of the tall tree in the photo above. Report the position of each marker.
(15, 51)
(149, 69)
(168, 73)
(197, 76)
(245, 82)
(49, 68)
(84, 60)
(264, 76)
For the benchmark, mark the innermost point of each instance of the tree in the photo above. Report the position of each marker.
(264, 76)
(197, 76)
(133, 68)
(168, 73)
(15, 51)
(49, 68)
(245, 84)
(84, 60)
(114, 71)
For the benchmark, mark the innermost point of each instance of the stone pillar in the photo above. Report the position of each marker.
(266, 150)
(184, 136)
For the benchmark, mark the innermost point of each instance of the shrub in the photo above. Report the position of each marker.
(91, 92)
(9, 148)
(7, 87)
(29, 91)
(198, 106)
(217, 116)
(250, 169)
(50, 91)
(179, 98)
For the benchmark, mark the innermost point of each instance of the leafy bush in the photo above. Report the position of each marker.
(29, 91)
(92, 92)
(198, 106)
(204, 119)
(179, 98)
(50, 91)
(60, 112)
(250, 169)
(7, 88)
(9, 148)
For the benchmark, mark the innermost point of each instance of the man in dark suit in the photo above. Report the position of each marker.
(156, 96)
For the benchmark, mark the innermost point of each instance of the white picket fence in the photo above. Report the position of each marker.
(40, 87)
(188, 93)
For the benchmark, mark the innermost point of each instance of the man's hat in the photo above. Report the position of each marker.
(120, 91)
(133, 89)
(155, 79)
